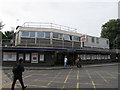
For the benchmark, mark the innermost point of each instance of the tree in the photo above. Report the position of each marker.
(111, 30)
(1, 25)
(8, 35)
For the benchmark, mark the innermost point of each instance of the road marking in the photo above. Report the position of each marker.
(91, 79)
(78, 74)
(54, 78)
(102, 77)
(77, 85)
(66, 78)
(35, 85)
(5, 85)
(110, 74)
(27, 76)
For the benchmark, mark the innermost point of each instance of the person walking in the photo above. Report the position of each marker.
(65, 61)
(78, 62)
(17, 74)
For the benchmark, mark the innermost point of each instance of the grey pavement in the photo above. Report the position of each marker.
(89, 76)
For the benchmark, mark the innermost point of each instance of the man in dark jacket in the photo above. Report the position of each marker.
(17, 72)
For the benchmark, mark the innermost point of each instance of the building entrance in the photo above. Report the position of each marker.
(60, 58)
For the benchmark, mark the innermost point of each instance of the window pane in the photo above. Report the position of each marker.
(60, 36)
(32, 34)
(47, 34)
(66, 37)
(76, 38)
(93, 39)
(25, 33)
(41, 57)
(55, 35)
(97, 40)
(40, 34)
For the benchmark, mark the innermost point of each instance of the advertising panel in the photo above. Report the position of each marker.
(27, 57)
(34, 58)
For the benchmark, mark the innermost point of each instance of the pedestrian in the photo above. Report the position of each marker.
(65, 61)
(78, 62)
(17, 74)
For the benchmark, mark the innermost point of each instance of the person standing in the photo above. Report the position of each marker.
(65, 61)
(17, 74)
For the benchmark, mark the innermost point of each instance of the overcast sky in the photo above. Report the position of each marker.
(87, 16)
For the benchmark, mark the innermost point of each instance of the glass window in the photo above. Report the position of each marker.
(21, 56)
(107, 42)
(66, 37)
(60, 36)
(92, 38)
(55, 35)
(71, 38)
(47, 34)
(25, 33)
(97, 40)
(9, 56)
(40, 34)
(41, 57)
(32, 34)
(76, 38)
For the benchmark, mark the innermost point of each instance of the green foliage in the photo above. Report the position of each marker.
(111, 30)
(8, 35)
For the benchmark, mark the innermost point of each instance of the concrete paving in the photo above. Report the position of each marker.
(89, 76)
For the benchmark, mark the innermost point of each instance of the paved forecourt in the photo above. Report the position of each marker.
(86, 77)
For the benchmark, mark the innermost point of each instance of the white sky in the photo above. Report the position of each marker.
(87, 16)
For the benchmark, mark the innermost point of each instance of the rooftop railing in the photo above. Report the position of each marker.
(49, 25)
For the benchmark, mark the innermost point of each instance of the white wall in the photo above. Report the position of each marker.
(102, 42)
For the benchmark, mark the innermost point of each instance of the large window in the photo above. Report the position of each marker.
(97, 40)
(58, 35)
(40, 34)
(55, 35)
(47, 34)
(26, 34)
(66, 37)
(92, 38)
(32, 34)
(76, 38)
(9, 56)
(41, 59)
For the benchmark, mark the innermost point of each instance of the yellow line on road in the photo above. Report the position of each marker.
(91, 79)
(27, 76)
(54, 78)
(35, 85)
(66, 78)
(78, 74)
(7, 84)
(110, 74)
(77, 86)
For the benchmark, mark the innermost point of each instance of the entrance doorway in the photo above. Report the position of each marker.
(60, 58)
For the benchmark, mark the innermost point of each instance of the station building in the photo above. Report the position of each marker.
(46, 44)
